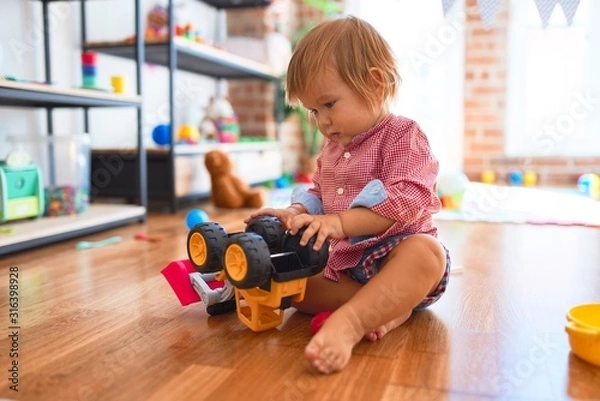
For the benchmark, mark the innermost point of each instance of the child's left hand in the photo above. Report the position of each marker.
(325, 227)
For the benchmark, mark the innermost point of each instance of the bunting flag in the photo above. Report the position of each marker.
(447, 5)
(569, 8)
(545, 9)
(489, 9)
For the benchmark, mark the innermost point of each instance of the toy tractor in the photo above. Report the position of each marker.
(258, 272)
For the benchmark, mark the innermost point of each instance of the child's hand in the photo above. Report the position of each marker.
(324, 226)
(283, 215)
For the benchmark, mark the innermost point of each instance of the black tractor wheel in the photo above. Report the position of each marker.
(205, 243)
(221, 308)
(308, 256)
(270, 229)
(247, 261)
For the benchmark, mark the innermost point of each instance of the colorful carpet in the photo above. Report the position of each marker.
(505, 204)
(520, 205)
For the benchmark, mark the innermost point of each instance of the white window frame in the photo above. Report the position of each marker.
(553, 101)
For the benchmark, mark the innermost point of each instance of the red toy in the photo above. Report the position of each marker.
(318, 320)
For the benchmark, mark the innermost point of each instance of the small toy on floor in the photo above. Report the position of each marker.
(149, 238)
(318, 320)
(97, 244)
(195, 216)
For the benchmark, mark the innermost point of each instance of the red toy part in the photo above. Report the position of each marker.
(318, 320)
(177, 274)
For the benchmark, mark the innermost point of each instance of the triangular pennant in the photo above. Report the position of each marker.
(447, 5)
(569, 8)
(488, 10)
(545, 9)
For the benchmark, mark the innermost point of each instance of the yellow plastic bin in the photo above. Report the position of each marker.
(65, 164)
(583, 328)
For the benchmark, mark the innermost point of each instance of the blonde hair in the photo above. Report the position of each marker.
(349, 47)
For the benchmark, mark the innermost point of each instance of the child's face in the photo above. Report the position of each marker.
(339, 112)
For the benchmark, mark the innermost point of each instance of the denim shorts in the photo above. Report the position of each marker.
(373, 258)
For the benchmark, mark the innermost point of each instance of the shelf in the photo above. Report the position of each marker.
(21, 94)
(46, 230)
(192, 57)
(228, 4)
(186, 150)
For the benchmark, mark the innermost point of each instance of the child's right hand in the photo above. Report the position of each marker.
(283, 215)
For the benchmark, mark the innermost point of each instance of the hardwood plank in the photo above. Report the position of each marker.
(103, 324)
(194, 383)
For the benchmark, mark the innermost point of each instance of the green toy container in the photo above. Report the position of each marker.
(64, 161)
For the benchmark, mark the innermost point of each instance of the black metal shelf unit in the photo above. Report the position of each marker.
(177, 54)
(33, 95)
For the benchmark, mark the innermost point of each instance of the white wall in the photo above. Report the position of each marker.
(21, 55)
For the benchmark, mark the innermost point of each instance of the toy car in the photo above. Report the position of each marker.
(258, 272)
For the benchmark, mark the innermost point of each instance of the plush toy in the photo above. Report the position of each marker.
(220, 115)
(157, 23)
(227, 189)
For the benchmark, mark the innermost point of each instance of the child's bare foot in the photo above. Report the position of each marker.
(382, 330)
(331, 347)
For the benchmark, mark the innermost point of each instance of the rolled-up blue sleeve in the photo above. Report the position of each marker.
(371, 195)
(309, 201)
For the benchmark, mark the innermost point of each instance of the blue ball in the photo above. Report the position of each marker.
(515, 177)
(282, 182)
(195, 216)
(161, 134)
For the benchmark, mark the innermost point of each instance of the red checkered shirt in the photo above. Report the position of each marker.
(396, 152)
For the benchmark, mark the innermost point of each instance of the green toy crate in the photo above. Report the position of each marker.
(21, 192)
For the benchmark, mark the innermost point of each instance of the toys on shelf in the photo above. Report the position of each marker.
(118, 84)
(488, 176)
(530, 178)
(157, 23)
(157, 26)
(451, 188)
(589, 184)
(161, 134)
(258, 272)
(65, 163)
(188, 134)
(187, 31)
(221, 122)
(515, 177)
(64, 200)
(89, 69)
(21, 188)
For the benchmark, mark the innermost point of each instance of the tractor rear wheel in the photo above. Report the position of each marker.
(205, 243)
(270, 229)
(308, 256)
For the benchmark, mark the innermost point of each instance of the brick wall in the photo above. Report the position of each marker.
(254, 100)
(485, 112)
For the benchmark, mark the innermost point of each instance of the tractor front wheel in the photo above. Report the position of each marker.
(247, 261)
(205, 243)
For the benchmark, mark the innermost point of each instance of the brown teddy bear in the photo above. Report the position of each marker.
(227, 189)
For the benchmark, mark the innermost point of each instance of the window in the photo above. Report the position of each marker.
(430, 52)
(553, 99)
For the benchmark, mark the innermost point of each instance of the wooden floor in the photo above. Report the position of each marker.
(103, 324)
